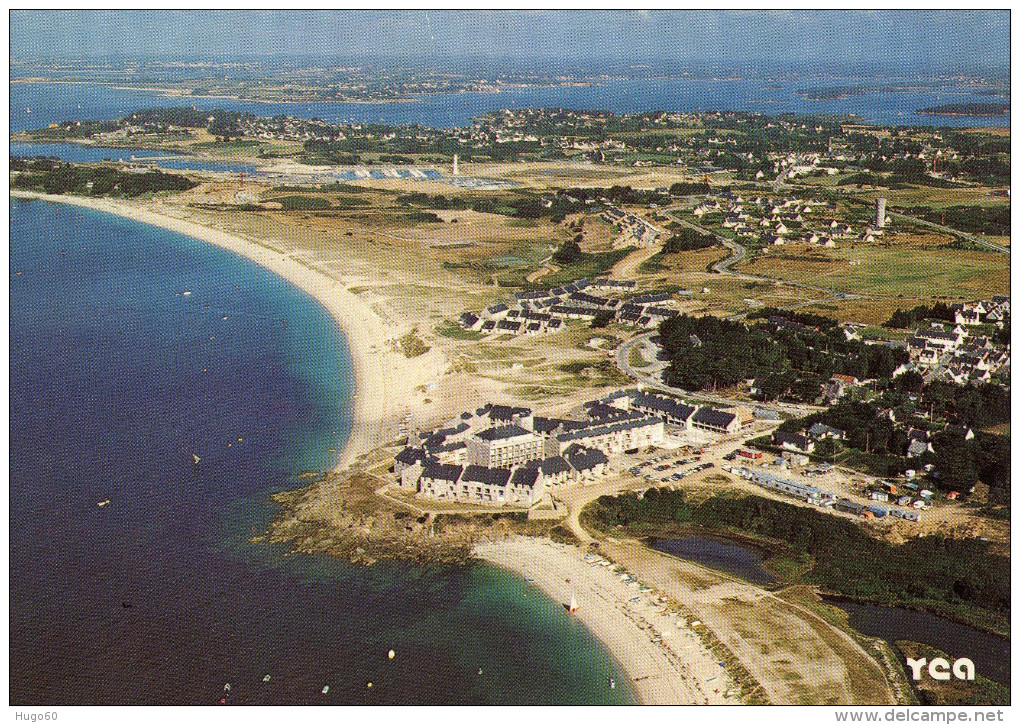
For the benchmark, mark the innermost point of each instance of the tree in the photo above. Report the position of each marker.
(826, 448)
(686, 240)
(569, 253)
(775, 386)
(910, 381)
(603, 318)
(955, 462)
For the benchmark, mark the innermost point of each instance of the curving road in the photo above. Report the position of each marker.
(949, 230)
(652, 381)
(739, 253)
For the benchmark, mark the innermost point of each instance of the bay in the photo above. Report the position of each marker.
(117, 379)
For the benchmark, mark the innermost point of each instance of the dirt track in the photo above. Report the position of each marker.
(795, 656)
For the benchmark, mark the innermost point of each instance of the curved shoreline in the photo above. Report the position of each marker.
(383, 378)
(375, 367)
(662, 656)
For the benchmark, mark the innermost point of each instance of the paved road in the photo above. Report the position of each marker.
(723, 266)
(650, 381)
(739, 253)
(949, 230)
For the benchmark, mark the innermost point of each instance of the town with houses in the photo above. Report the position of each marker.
(724, 141)
(787, 220)
(949, 351)
(733, 387)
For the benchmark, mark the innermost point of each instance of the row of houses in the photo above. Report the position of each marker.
(680, 415)
(993, 312)
(635, 229)
(522, 485)
(950, 352)
(676, 414)
(545, 311)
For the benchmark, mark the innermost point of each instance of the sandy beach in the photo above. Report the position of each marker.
(658, 650)
(385, 380)
(663, 657)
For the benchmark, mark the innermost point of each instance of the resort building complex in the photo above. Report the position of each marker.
(501, 455)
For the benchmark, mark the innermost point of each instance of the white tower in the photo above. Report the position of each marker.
(456, 171)
(880, 212)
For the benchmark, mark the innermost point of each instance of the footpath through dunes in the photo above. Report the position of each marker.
(628, 267)
(796, 657)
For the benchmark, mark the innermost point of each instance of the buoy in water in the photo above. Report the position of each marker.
(267, 678)
(391, 654)
(369, 684)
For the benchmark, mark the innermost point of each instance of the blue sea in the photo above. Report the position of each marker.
(81, 153)
(118, 379)
(37, 105)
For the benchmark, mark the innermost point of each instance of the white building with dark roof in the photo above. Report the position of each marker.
(672, 411)
(487, 486)
(587, 462)
(555, 469)
(527, 487)
(793, 441)
(716, 421)
(504, 446)
(635, 431)
(439, 480)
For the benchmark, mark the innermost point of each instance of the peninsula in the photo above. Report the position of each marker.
(570, 333)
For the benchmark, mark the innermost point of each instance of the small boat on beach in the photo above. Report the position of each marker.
(573, 606)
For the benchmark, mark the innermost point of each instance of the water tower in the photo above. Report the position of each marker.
(880, 212)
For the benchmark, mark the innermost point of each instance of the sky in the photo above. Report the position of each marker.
(927, 39)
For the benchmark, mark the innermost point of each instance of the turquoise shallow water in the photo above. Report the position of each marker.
(117, 378)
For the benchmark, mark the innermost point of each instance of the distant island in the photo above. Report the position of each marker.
(966, 109)
(832, 93)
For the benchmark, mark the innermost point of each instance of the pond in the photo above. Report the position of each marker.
(724, 556)
(989, 652)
